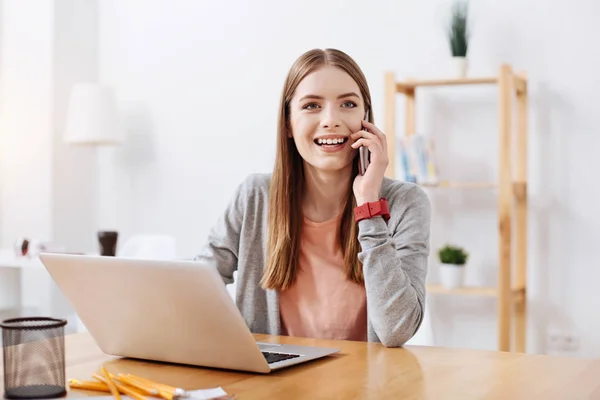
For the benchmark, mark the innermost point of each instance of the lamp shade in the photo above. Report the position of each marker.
(92, 115)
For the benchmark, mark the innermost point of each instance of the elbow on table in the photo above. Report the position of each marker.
(396, 340)
(403, 332)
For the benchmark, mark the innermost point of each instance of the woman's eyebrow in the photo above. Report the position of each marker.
(314, 96)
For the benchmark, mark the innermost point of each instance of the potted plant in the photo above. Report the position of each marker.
(453, 260)
(458, 36)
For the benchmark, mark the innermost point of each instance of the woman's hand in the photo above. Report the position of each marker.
(367, 187)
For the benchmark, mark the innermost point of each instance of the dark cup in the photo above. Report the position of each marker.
(108, 242)
(34, 358)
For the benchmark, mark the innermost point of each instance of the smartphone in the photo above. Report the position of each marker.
(364, 155)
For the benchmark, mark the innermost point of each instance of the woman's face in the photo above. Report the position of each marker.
(326, 109)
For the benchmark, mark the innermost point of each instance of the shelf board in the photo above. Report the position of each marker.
(461, 185)
(410, 84)
(465, 290)
(518, 293)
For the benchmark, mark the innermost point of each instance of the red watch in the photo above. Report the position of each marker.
(372, 209)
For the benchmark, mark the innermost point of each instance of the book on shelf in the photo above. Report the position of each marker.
(417, 159)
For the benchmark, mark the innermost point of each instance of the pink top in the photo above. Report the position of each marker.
(322, 303)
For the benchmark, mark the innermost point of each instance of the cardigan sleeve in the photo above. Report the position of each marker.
(221, 248)
(394, 257)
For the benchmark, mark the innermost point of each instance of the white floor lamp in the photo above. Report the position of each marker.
(92, 120)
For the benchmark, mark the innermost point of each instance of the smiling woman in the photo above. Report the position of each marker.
(321, 250)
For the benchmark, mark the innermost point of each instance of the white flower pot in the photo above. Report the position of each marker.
(459, 67)
(451, 276)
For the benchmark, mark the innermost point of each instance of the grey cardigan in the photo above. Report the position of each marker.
(394, 257)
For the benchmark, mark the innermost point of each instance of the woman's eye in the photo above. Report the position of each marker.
(310, 106)
(349, 104)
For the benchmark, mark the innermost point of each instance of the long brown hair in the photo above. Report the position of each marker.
(285, 217)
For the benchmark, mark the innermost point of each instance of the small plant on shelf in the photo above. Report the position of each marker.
(458, 37)
(458, 32)
(453, 260)
(453, 255)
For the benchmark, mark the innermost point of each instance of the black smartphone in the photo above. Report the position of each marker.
(364, 154)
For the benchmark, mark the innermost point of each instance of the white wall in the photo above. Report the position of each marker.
(75, 59)
(26, 45)
(45, 186)
(199, 83)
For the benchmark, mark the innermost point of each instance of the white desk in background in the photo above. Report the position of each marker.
(26, 289)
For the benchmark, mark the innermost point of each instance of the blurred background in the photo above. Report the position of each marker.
(190, 109)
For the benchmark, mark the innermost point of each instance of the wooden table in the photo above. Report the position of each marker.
(367, 371)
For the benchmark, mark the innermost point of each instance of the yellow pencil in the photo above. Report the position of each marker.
(110, 383)
(165, 391)
(88, 385)
(121, 387)
(130, 391)
(140, 385)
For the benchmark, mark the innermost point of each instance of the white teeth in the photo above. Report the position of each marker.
(331, 141)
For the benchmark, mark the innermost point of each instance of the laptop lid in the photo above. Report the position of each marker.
(171, 311)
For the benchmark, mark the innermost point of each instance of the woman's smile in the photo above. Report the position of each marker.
(331, 143)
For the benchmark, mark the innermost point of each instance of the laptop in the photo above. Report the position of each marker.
(169, 311)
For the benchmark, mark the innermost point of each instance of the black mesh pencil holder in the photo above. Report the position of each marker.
(34, 358)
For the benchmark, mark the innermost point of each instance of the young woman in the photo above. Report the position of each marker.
(321, 250)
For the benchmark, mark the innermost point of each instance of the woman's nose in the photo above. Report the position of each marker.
(330, 119)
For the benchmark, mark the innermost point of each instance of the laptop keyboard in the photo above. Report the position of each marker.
(275, 357)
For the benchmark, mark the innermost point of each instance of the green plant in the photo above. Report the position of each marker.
(453, 255)
(458, 32)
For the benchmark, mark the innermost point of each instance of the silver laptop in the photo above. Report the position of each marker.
(170, 311)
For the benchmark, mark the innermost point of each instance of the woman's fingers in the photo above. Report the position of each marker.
(377, 132)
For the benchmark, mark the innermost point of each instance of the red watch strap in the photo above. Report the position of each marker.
(372, 209)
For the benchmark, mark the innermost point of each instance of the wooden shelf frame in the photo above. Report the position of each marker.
(511, 187)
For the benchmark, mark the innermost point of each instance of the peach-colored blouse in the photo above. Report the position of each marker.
(322, 303)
